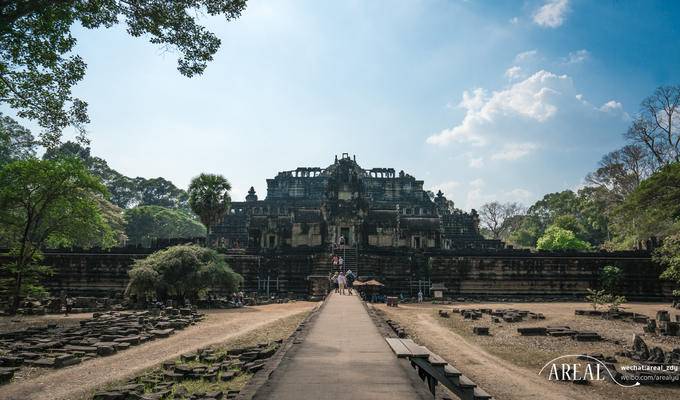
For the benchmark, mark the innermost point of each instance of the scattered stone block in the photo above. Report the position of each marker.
(480, 330)
(587, 337)
(533, 331)
(663, 315)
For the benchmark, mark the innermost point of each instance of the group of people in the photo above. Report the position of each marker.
(338, 262)
(237, 299)
(341, 281)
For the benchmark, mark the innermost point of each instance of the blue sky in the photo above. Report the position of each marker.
(485, 100)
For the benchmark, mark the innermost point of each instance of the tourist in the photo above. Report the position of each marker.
(342, 281)
(335, 261)
(341, 263)
(342, 240)
(69, 305)
(420, 296)
(350, 280)
(62, 302)
(334, 282)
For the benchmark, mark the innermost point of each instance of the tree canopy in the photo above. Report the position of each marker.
(48, 203)
(556, 239)
(144, 224)
(181, 272)
(653, 209)
(209, 198)
(16, 142)
(498, 218)
(38, 67)
(125, 192)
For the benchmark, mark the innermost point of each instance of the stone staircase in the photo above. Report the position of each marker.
(350, 255)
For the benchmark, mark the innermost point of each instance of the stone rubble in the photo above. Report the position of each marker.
(206, 365)
(106, 333)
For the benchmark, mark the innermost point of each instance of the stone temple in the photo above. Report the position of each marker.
(394, 231)
(369, 208)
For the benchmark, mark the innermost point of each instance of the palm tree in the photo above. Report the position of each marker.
(209, 199)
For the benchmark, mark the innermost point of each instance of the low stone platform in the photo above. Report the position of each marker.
(342, 356)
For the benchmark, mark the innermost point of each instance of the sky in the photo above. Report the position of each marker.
(485, 100)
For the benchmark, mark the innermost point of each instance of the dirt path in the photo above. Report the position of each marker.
(73, 383)
(502, 379)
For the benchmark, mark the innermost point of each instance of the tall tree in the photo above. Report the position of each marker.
(124, 192)
(16, 142)
(658, 125)
(621, 171)
(653, 209)
(148, 223)
(160, 192)
(209, 198)
(38, 67)
(46, 203)
(497, 217)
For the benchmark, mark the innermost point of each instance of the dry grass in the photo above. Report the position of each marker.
(532, 352)
(277, 330)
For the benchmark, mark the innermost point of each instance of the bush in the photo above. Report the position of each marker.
(610, 277)
(181, 272)
(556, 238)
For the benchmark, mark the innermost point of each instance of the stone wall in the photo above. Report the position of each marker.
(502, 275)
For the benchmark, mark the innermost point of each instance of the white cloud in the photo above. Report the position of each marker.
(514, 151)
(611, 105)
(526, 56)
(513, 72)
(476, 162)
(534, 99)
(514, 20)
(577, 57)
(552, 13)
(476, 197)
(518, 194)
(472, 101)
(477, 183)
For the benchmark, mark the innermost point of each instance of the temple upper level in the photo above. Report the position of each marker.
(377, 207)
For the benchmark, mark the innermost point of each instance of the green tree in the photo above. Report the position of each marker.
(181, 272)
(653, 209)
(584, 213)
(668, 256)
(556, 238)
(124, 192)
(160, 192)
(144, 224)
(47, 203)
(16, 142)
(38, 67)
(209, 198)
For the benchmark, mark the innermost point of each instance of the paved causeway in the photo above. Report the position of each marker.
(343, 356)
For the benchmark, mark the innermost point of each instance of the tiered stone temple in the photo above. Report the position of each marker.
(394, 231)
(314, 207)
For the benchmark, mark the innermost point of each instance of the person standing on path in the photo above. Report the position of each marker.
(342, 281)
(350, 277)
(334, 282)
(69, 305)
(420, 296)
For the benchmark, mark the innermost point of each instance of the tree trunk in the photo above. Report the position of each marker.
(17, 292)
